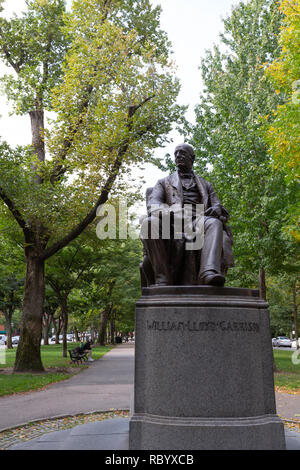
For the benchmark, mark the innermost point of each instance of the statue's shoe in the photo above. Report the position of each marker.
(212, 278)
(161, 280)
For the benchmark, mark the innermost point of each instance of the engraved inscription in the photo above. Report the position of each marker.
(203, 326)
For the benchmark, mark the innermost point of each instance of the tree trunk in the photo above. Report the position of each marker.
(46, 335)
(112, 331)
(8, 328)
(9, 335)
(263, 295)
(47, 320)
(37, 127)
(57, 333)
(104, 317)
(93, 334)
(64, 311)
(77, 339)
(28, 357)
(262, 284)
(57, 329)
(295, 314)
(8, 317)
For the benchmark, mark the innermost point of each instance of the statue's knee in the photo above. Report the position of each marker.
(145, 224)
(212, 222)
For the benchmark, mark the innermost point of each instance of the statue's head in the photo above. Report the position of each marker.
(184, 157)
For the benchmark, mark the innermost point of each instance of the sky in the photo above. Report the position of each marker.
(193, 26)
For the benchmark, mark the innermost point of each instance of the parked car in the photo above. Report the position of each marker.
(294, 345)
(274, 342)
(3, 340)
(15, 340)
(284, 341)
(53, 339)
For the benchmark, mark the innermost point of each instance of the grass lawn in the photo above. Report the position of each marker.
(287, 379)
(57, 368)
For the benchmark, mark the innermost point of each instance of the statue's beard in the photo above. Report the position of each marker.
(184, 168)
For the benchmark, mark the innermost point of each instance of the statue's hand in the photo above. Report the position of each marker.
(214, 211)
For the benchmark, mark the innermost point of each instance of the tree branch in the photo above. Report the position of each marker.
(59, 169)
(133, 109)
(15, 212)
(46, 61)
(90, 216)
(80, 274)
(104, 193)
(15, 66)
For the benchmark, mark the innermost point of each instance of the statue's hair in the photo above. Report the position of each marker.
(187, 147)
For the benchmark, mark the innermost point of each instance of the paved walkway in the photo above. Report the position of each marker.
(111, 434)
(288, 406)
(106, 384)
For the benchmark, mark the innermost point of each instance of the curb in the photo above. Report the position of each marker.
(53, 418)
(293, 421)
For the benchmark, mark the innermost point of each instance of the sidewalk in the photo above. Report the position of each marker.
(288, 406)
(106, 384)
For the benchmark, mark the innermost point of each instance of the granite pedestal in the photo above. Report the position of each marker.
(203, 371)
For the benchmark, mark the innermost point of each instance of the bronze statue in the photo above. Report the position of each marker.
(167, 261)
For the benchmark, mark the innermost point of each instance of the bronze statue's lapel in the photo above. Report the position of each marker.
(175, 180)
(203, 191)
(176, 183)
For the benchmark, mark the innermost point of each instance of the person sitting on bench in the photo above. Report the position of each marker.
(87, 348)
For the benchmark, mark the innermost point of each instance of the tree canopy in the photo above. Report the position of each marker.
(229, 141)
(283, 133)
(104, 71)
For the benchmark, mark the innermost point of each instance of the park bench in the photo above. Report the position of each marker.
(76, 355)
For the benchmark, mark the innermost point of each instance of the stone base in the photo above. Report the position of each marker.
(203, 371)
(161, 433)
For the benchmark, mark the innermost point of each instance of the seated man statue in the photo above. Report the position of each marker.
(167, 260)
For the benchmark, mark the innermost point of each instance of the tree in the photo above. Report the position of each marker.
(65, 271)
(283, 300)
(80, 312)
(229, 142)
(104, 299)
(10, 300)
(50, 307)
(111, 289)
(11, 276)
(283, 133)
(104, 70)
